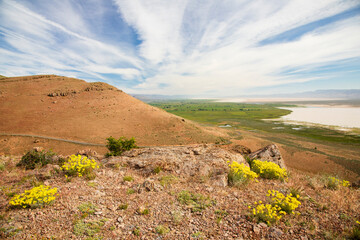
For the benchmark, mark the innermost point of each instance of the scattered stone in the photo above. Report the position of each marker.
(263, 225)
(98, 213)
(256, 229)
(120, 219)
(87, 152)
(38, 149)
(275, 232)
(36, 140)
(220, 180)
(270, 153)
(241, 149)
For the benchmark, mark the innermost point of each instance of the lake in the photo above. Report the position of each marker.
(336, 116)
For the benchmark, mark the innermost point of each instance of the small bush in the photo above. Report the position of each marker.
(80, 166)
(88, 228)
(162, 229)
(143, 211)
(334, 183)
(2, 166)
(34, 159)
(195, 201)
(167, 180)
(240, 174)
(286, 203)
(268, 170)
(130, 191)
(123, 206)
(87, 208)
(118, 146)
(266, 213)
(35, 197)
(128, 179)
(136, 231)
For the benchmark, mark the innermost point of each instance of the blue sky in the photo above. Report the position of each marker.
(201, 48)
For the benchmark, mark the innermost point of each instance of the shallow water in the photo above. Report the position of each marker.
(335, 116)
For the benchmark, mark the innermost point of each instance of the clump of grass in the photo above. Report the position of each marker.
(220, 215)
(240, 174)
(136, 231)
(35, 158)
(197, 235)
(162, 229)
(2, 166)
(143, 211)
(89, 228)
(195, 201)
(128, 179)
(296, 191)
(87, 208)
(167, 180)
(123, 206)
(177, 217)
(130, 191)
(157, 170)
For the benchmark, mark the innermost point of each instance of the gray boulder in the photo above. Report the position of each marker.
(270, 153)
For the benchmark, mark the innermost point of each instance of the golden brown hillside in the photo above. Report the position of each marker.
(69, 108)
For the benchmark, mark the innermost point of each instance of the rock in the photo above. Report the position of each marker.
(220, 180)
(98, 213)
(38, 149)
(87, 152)
(183, 160)
(241, 149)
(304, 238)
(256, 229)
(36, 140)
(47, 171)
(275, 232)
(270, 153)
(150, 185)
(263, 225)
(120, 219)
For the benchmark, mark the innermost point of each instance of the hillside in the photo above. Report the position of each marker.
(172, 193)
(72, 109)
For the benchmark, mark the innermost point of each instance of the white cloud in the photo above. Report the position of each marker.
(214, 49)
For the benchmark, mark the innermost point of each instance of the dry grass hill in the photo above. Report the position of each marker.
(72, 109)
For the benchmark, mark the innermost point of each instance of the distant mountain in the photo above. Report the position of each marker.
(330, 93)
(157, 97)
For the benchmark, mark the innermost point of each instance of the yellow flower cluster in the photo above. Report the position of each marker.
(242, 171)
(266, 212)
(333, 182)
(34, 197)
(269, 170)
(79, 165)
(358, 222)
(286, 203)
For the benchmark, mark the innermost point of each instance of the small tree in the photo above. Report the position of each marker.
(118, 146)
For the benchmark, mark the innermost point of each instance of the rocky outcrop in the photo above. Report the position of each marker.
(241, 149)
(270, 153)
(188, 161)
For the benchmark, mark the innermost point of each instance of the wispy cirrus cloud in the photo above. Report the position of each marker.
(208, 48)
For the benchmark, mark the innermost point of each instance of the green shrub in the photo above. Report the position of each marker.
(87, 208)
(162, 229)
(195, 201)
(34, 158)
(128, 179)
(355, 233)
(269, 170)
(118, 146)
(123, 206)
(167, 180)
(88, 228)
(2, 166)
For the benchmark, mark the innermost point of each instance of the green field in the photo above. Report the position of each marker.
(250, 117)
